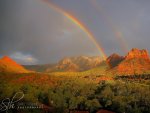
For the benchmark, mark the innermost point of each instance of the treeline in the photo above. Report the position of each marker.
(73, 93)
(139, 77)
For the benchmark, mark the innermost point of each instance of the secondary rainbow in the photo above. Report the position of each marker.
(80, 25)
(117, 33)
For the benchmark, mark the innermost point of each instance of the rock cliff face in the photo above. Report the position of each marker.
(114, 60)
(135, 62)
(7, 65)
(80, 63)
(67, 65)
(136, 53)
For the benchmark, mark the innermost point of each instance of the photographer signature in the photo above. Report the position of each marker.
(8, 103)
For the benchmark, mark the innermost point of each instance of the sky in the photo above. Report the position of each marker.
(34, 32)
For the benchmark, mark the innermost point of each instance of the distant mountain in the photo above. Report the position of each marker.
(135, 62)
(80, 63)
(7, 65)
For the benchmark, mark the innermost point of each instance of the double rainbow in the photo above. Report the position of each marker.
(80, 25)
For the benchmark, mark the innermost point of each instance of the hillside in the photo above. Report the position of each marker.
(7, 65)
(39, 68)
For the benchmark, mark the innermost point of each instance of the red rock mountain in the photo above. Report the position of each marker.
(80, 63)
(67, 65)
(7, 65)
(136, 53)
(114, 60)
(135, 62)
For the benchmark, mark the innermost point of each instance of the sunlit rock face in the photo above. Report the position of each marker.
(8, 65)
(135, 62)
(136, 53)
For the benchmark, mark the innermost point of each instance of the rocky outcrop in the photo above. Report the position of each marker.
(67, 65)
(7, 65)
(136, 53)
(135, 62)
(114, 60)
(80, 63)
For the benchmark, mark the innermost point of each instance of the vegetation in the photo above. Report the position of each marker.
(83, 91)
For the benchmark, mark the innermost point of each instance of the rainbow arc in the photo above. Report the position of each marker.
(117, 33)
(80, 25)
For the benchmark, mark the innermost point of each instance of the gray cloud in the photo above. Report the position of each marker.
(25, 59)
(33, 29)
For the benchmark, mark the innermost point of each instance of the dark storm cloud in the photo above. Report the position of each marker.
(30, 28)
(32, 32)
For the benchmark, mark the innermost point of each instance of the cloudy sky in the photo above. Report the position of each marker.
(33, 32)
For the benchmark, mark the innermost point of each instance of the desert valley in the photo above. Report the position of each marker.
(74, 56)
